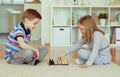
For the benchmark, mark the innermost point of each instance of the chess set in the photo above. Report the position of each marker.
(60, 62)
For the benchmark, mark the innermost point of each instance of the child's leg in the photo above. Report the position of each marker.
(103, 59)
(22, 56)
(83, 54)
(98, 60)
(43, 52)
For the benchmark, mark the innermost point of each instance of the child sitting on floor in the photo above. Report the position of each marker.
(98, 51)
(18, 51)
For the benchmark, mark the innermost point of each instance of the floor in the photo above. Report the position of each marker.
(72, 70)
(115, 52)
(44, 70)
(3, 38)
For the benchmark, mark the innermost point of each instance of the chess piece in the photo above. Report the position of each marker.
(51, 62)
(65, 62)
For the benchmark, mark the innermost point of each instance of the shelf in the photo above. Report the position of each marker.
(61, 16)
(90, 6)
(75, 26)
(72, 13)
(116, 26)
(61, 26)
(106, 26)
(114, 6)
(114, 45)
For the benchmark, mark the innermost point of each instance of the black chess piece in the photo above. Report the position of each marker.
(51, 62)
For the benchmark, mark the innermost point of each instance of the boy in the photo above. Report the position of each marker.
(18, 51)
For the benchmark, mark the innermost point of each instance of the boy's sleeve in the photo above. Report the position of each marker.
(19, 33)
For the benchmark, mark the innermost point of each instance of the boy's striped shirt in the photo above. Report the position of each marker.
(12, 45)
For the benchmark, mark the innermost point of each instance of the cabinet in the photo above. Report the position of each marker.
(61, 36)
(36, 33)
(68, 15)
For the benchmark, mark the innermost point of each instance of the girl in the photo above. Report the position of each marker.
(98, 51)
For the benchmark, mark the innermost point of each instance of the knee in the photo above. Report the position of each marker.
(28, 52)
(83, 53)
(45, 49)
(80, 53)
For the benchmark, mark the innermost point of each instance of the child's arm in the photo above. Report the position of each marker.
(97, 37)
(61, 56)
(23, 45)
(75, 47)
(72, 49)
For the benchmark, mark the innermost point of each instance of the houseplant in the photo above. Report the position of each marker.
(103, 18)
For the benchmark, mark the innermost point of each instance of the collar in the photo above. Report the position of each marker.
(27, 31)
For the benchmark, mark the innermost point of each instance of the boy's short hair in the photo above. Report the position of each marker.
(31, 14)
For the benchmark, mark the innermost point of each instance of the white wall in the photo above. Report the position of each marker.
(45, 24)
(4, 20)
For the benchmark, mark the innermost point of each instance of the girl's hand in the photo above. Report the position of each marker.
(84, 66)
(36, 53)
(60, 57)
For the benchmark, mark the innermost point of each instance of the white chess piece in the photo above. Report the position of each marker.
(77, 61)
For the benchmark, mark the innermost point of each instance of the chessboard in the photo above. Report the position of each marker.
(60, 62)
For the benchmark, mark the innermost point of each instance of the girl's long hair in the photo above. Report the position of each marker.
(89, 26)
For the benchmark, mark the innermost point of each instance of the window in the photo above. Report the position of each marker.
(12, 1)
(6, 1)
(18, 1)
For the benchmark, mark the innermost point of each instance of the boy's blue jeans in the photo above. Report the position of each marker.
(27, 56)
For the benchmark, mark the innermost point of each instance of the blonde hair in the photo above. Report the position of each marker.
(89, 26)
(31, 14)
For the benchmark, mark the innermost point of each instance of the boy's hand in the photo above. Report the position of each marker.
(84, 66)
(36, 53)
